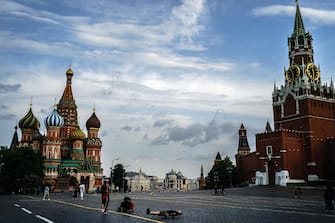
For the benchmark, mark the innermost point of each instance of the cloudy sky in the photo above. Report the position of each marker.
(172, 80)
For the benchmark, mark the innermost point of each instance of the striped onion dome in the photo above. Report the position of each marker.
(29, 121)
(78, 135)
(54, 119)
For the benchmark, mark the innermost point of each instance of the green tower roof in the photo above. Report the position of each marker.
(298, 23)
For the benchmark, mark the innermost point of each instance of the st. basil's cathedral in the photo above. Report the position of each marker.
(67, 152)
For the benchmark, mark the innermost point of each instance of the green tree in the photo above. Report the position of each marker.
(22, 170)
(117, 177)
(221, 174)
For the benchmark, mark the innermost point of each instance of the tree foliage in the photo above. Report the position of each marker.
(21, 170)
(117, 175)
(219, 176)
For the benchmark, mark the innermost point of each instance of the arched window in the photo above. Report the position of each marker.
(301, 40)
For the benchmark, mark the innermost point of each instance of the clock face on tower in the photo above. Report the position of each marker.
(312, 72)
(292, 73)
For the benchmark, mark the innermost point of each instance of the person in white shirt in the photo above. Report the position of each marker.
(46, 193)
(82, 191)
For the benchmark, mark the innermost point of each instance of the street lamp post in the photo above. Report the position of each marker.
(216, 179)
(230, 171)
(1, 164)
(124, 178)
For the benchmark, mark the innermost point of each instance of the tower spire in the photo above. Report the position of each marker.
(298, 23)
(15, 140)
(243, 145)
(67, 108)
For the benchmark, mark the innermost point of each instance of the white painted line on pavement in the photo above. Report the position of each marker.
(110, 211)
(43, 218)
(16, 205)
(26, 210)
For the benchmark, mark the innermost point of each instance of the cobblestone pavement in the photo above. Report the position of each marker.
(253, 204)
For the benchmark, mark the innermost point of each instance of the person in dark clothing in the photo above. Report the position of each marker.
(329, 198)
(222, 190)
(38, 189)
(297, 192)
(127, 206)
(75, 192)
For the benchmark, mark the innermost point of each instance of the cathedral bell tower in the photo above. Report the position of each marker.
(67, 108)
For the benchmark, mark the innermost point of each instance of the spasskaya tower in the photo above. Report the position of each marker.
(301, 146)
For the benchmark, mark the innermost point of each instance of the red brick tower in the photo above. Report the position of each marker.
(304, 105)
(243, 145)
(300, 148)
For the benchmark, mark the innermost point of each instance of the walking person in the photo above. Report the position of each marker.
(75, 192)
(38, 190)
(46, 193)
(82, 190)
(297, 192)
(105, 188)
(222, 190)
(329, 198)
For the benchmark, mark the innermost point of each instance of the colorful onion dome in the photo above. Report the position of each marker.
(54, 119)
(93, 122)
(37, 136)
(29, 121)
(78, 135)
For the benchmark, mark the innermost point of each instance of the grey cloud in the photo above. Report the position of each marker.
(45, 112)
(194, 134)
(104, 133)
(127, 128)
(199, 157)
(106, 92)
(3, 106)
(9, 88)
(7, 116)
(202, 157)
(160, 140)
(161, 123)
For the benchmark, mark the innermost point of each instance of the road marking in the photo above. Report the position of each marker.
(26, 210)
(43, 218)
(114, 212)
(37, 216)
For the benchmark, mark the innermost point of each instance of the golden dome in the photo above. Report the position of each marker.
(69, 71)
(78, 135)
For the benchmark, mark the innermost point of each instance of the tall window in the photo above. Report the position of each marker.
(268, 150)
